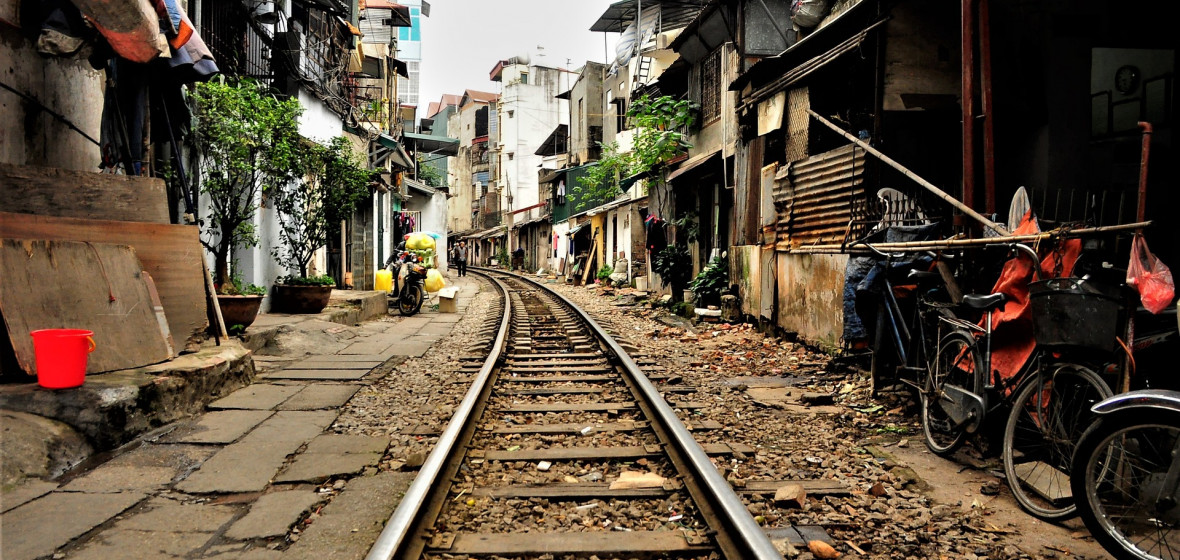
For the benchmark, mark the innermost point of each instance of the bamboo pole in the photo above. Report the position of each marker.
(925, 184)
(953, 242)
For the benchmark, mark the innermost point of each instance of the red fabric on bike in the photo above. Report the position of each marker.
(1012, 331)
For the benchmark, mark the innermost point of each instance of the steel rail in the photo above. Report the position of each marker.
(751, 538)
(393, 537)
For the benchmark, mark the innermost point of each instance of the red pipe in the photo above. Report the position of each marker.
(985, 93)
(1146, 151)
(968, 102)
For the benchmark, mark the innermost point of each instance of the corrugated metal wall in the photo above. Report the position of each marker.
(813, 197)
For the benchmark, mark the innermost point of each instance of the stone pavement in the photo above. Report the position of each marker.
(227, 482)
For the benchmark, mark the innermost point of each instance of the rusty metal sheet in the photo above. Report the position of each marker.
(814, 198)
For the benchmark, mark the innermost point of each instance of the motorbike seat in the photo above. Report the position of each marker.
(985, 302)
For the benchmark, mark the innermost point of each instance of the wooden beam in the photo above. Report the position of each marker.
(49, 191)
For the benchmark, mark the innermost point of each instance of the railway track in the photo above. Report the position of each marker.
(568, 440)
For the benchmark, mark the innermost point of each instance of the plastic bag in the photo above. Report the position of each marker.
(808, 13)
(434, 280)
(1150, 277)
(419, 241)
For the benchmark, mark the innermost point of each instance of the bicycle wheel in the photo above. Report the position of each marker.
(1048, 417)
(412, 302)
(1119, 472)
(955, 364)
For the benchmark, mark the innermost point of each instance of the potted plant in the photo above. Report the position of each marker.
(239, 304)
(303, 294)
(324, 185)
(711, 283)
(245, 137)
(674, 266)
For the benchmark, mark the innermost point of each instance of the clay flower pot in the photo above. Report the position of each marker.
(301, 299)
(239, 310)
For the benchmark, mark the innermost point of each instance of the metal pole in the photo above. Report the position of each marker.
(915, 177)
(968, 101)
(988, 108)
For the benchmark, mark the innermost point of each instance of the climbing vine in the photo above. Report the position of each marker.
(662, 124)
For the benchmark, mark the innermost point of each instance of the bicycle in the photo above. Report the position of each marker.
(1048, 401)
(910, 333)
(1127, 475)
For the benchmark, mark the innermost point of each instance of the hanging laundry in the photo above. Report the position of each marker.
(191, 59)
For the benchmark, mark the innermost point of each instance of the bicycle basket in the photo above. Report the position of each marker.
(1070, 313)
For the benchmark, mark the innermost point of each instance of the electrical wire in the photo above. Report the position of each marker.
(51, 113)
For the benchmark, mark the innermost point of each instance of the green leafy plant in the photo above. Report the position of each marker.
(235, 287)
(674, 265)
(711, 282)
(662, 127)
(604, 273)
(247, 138)
(601, 181)
(661, 134)
(689, 226)
(502, 257)
(326, 184)
(430, 175)
(683, 309)
(323, 280)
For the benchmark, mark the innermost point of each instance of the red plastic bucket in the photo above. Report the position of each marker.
(61, 356)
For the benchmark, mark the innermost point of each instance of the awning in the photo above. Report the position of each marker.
(577, 228)
(399, 67)
(608, 207)
(555, 174)
(420, 186)
(394, 152)
(774, 76)
(530, 221)
(556, 143)
(694, 162)
(426, 143)
(711, 28)
(493, 232)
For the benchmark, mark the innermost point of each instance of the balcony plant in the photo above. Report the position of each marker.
(324, 186)
(246, 137)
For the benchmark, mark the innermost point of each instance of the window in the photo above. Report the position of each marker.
(711, 87)
(524, 77)
(620, 113)
(511, 154)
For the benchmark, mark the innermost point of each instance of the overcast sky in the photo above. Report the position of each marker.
(463, 39)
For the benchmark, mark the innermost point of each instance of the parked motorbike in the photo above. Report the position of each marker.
(1126, 479)
(409, 278)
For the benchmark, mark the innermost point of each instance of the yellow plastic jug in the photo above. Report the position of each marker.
(384, 281)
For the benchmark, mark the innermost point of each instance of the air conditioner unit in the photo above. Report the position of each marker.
(494, 145)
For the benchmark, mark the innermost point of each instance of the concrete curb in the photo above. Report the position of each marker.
(111, 409)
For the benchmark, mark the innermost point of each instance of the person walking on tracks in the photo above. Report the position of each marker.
(461, 258)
